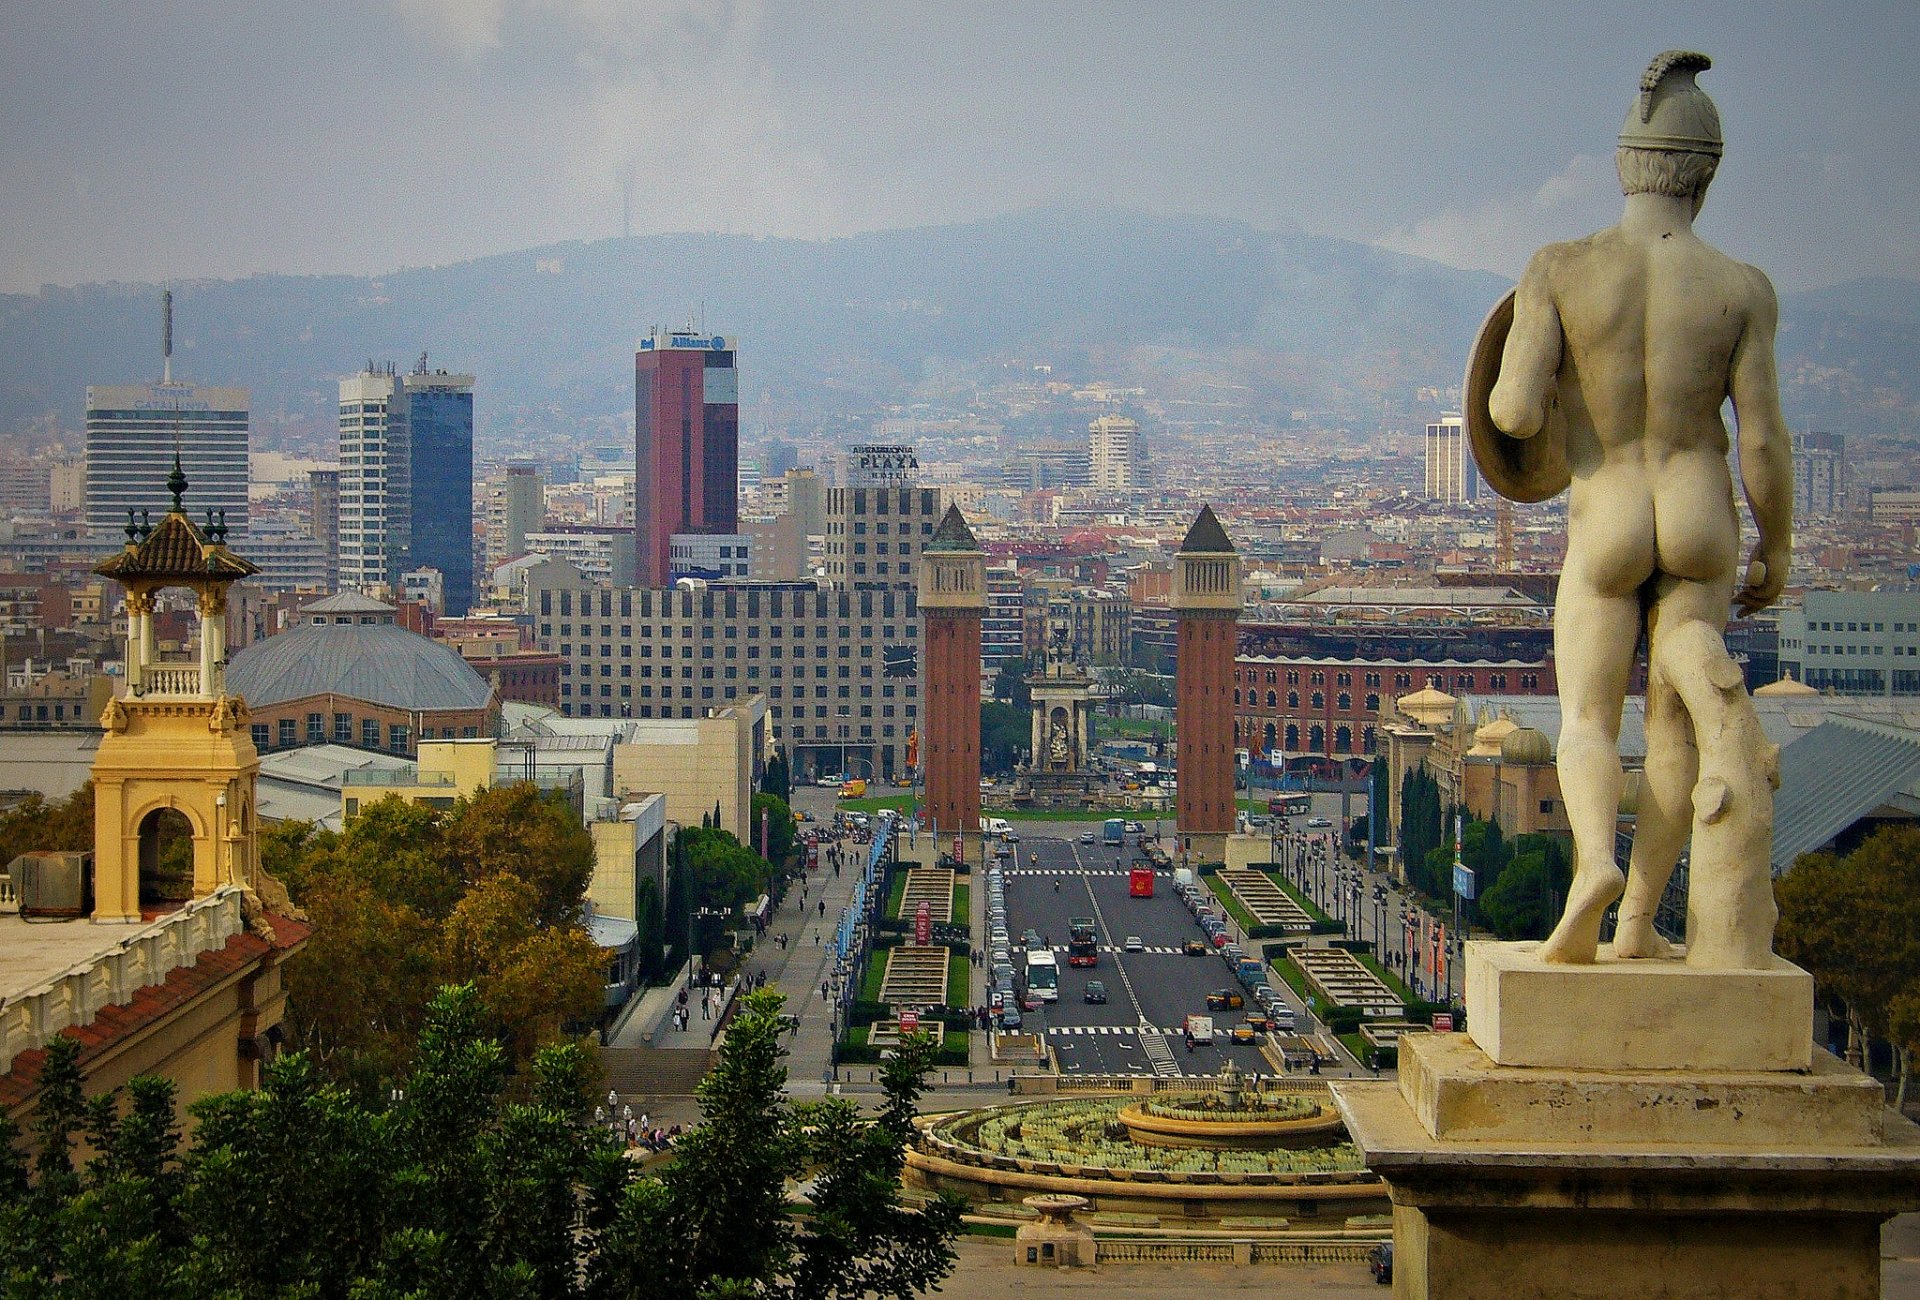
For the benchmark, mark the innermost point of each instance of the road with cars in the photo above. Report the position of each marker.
(1051, 877)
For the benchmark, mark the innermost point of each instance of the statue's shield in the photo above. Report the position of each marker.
(1522, 469)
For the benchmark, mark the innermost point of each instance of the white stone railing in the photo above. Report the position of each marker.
(177, 680)
(9, 896)
(31, 1018)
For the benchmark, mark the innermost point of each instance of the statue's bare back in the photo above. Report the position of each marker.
(1640, 329)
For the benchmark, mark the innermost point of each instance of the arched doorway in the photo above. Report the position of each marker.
(166, 859)
(1272, 736)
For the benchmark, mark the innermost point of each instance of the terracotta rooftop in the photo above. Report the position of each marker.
(115, 1024)
(175, 551)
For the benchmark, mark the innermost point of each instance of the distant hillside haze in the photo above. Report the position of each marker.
(1185, 306)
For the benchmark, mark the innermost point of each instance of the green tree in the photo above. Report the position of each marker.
(452, 1186)
(1010, 685)
(714, 1224)
(1848, 921)
(37, 825)
(408, 898)
(777, 815)
(776, 778)
(1524, 900)
(1005, 733)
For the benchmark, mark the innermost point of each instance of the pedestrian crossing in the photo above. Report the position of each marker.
(1069, 871)
(1068, 1031)
(1159, 1055)
(1113, 949)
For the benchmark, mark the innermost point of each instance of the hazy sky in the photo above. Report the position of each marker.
(150, 140)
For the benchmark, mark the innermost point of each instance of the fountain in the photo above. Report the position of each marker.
(1270, 1153)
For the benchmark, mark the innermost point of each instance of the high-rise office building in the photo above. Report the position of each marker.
(686, 431)
(323, 519)
(406, 480)
(1819, 474)
(440, 418)
(133, 431)
(1116, 453)
(376, 458)
(514, 506)
(877, 525)
(1452, 478)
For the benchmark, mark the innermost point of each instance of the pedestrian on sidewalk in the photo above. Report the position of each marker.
(823, 990)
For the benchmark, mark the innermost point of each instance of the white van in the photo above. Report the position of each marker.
(994, 826)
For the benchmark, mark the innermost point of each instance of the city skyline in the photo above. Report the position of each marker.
(1464, 137)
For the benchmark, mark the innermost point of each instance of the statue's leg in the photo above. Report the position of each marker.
(1673, 765)
(1665, 815)
(1594, 634)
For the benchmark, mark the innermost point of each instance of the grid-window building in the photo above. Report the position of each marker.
(686, 429)
(839, 667)
(440, 422)
(1452, 478)
(875, 536)
(406, 480)
(132, 431)
(1849, 641)
(1116, 453)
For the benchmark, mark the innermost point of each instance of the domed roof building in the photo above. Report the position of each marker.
(347, 674)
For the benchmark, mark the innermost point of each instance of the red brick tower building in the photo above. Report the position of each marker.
(1206, 596)
(953, 596)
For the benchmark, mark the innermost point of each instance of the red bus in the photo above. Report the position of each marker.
(1140, 882)
(1083, 942)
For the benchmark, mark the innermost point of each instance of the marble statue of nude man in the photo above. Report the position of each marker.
(1627, 343)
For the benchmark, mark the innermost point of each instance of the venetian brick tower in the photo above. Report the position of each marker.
(953, 596)
(1206, 595)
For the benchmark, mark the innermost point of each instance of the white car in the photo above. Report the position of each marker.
(1318, 823)
(1086, 837)
(1135, 944)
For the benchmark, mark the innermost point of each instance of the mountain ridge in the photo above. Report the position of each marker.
(1191, 307)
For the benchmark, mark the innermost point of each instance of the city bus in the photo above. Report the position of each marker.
(1043, 977)
(1115, 831)
(1083, 942)
(1290, 805)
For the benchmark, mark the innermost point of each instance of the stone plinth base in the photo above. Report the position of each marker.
(1509, 1181)
(1636, 1015)
(1458, 1093)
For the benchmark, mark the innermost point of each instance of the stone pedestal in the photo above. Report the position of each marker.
(1636, 1015)
(1056, 1239)
(1556, 1178)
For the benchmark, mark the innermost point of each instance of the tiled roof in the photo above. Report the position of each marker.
(347, 602)
(115, 1024)
(953, 533)
(174, 550)
(380, 662)
(1207, 537)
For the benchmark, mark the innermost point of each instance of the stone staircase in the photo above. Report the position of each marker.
(641, 1072)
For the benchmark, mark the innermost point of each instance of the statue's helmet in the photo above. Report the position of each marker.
(1671, 112)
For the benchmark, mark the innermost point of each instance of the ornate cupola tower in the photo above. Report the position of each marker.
(177, 744)
(1206, 596)
(953, 597)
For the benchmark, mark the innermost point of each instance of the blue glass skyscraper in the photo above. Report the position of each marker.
(440, 420)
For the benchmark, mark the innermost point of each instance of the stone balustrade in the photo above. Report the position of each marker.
(75, 996)
(179, 680)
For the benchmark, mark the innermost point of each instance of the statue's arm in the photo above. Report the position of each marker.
(1520, 400)
(1766, 449)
